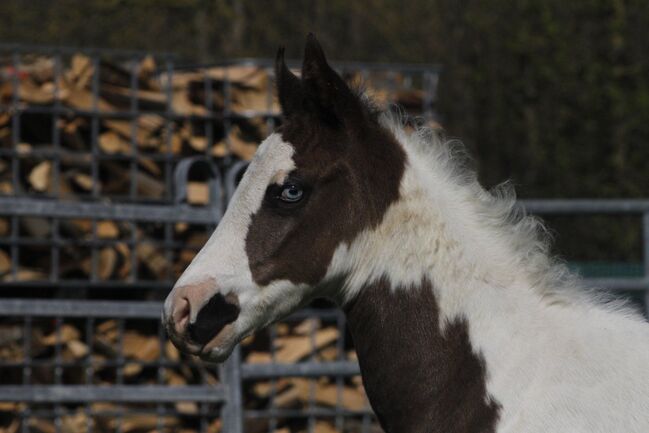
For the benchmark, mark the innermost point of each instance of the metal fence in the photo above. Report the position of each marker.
(79, 390)
(88, 378)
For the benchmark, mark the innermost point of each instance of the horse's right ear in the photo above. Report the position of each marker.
(289, 87)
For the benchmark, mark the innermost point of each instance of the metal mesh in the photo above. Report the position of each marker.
(96, 176)
(305, 368)
(101, 366)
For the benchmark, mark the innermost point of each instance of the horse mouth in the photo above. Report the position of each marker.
(219, 348)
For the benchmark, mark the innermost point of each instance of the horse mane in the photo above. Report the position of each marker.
(526, 236)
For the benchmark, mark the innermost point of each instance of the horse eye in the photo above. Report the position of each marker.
(291, 193)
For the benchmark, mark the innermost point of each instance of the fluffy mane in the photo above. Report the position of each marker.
(525, 237)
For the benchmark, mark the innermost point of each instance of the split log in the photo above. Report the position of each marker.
(295, 348)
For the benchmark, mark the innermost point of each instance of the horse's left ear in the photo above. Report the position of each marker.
(325, 88)
(289, 87)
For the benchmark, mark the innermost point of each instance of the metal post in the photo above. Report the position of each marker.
(232, 411)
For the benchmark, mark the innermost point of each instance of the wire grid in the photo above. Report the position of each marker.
(42, 230)
(308, 392)
(23, 150)
(66, 361)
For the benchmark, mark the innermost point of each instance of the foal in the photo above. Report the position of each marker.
(461, 321)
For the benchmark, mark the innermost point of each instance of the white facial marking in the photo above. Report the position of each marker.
(223, 258)
(224, 255)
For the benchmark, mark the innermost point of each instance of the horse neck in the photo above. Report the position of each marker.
(430, 290)
(418, 377)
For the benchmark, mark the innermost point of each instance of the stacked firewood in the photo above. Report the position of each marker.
(116, 134)
(109, 352)
(92, 129)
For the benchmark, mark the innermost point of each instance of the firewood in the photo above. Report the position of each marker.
(40, 176)
(174, 379)
(290, 392)
(106, 263)
(187, 407)
(33, 93)
(76, 349)
(14, 426)
(146, 422)
(132, 369)
(25, 274)
(125, 129)
(107, 230)
(238, 145)
(147, 69)
(11, 348)
(82, 180)
(5, 263)
(122, 97)
(198, 193)
(152, 258)
(80, 72)
(74, 423)
(41, 426)
(259, 358)
(140, 347)
(306, 326)
(351, 398)
(324, 427)
(83, 99)
(110, 142)
(293, 349)
(124, 269)
(66, 334)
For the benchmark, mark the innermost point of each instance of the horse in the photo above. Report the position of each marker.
(461, 319)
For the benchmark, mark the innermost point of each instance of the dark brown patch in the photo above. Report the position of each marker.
(417, 378)
(352, 166)
(213, 317)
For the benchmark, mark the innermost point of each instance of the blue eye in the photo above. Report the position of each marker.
(291, 193)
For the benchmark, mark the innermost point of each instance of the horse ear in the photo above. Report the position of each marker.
(325, 88)
(289, 87)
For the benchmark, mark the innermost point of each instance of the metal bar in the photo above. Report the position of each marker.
(122, 212)
(84, 284)
(320, 412)
(232, 412)
(113, 393)
(586, 206)
(80, 308)
(302, 369)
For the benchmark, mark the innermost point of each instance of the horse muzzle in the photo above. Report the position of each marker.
(199, 321)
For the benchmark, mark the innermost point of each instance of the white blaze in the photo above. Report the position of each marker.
(223, 259)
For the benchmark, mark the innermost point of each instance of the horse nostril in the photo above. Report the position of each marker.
(180, 315)
(212, 318)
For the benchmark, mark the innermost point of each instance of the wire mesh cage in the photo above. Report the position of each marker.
(115, 166)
